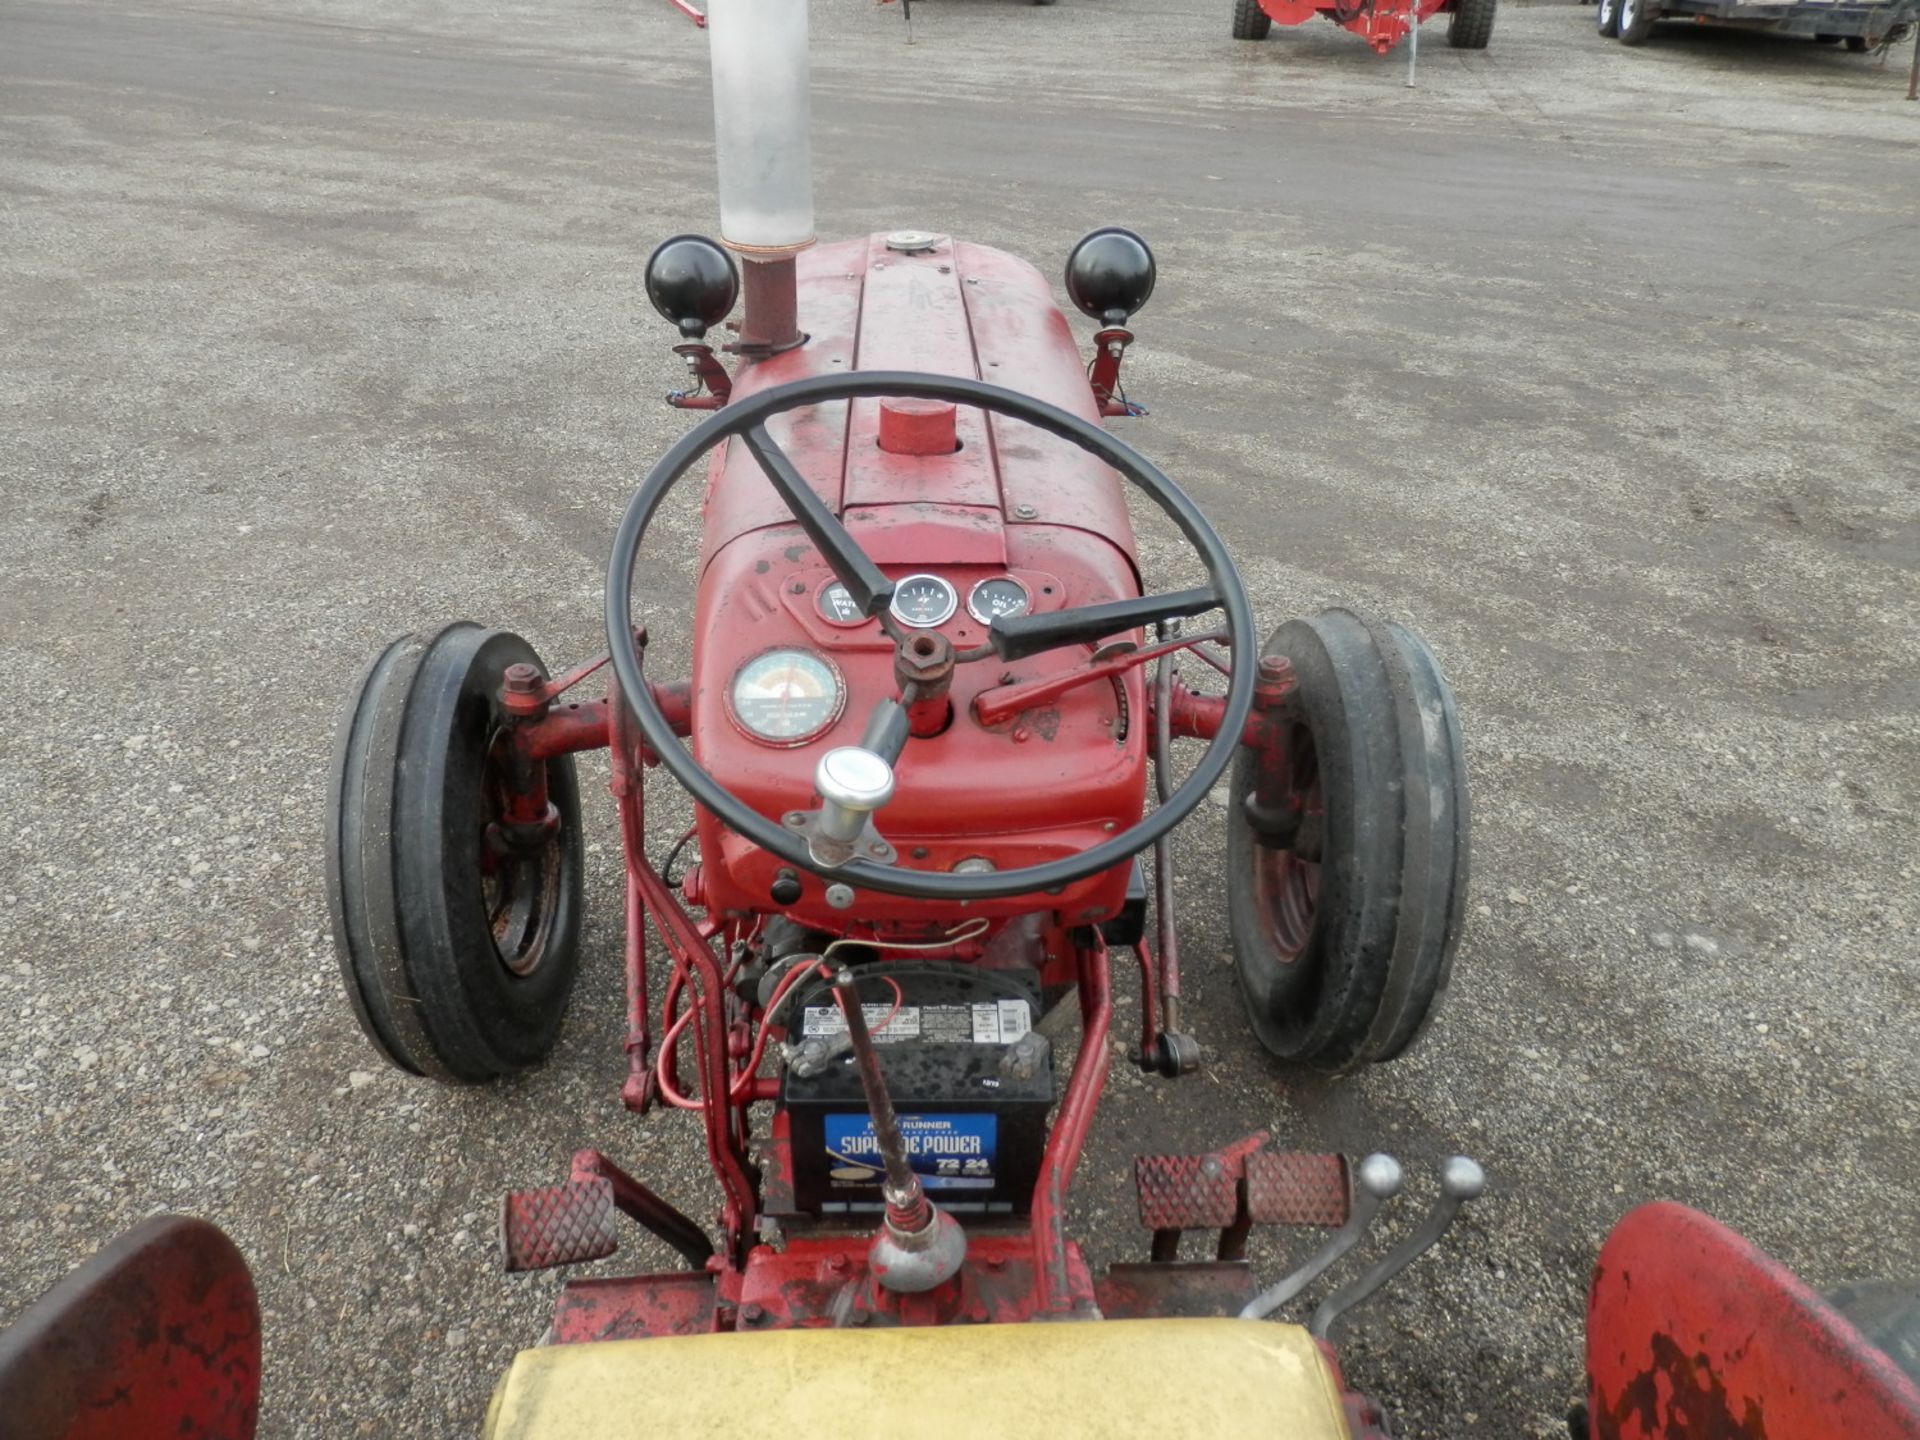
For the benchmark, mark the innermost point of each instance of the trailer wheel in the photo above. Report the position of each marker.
(1470, 25)
(1636, 21)
(458, 949)
(1344, 931)
(1859, 44)
(1250, 22)
(1607, 15)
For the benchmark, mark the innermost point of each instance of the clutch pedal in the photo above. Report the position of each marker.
(557, 1225)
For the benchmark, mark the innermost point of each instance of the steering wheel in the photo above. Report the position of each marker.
(1009, 637)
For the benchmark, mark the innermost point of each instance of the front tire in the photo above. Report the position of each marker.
(1343, 933)
(1250, 22)
(1606, 15)
(458, 948)
(1636, 21)
(1470, 25)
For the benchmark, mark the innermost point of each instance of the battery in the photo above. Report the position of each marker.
(974, 1135)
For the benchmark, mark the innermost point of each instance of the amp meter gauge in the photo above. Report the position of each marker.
(786, 697)
(1001, 598)
(924, 601)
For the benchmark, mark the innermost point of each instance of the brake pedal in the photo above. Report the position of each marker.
(557, 1225)
(1298, 1187)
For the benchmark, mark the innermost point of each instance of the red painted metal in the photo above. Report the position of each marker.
(1066, 774)
(769, 313)
(1150, 979)
(156, 1337)
(637, 1307)
(1109, 349)
(918, 427)
(1069, 1134)
(713, 386)
(1694, 1332)
(1381, 23)
(1187, 1288)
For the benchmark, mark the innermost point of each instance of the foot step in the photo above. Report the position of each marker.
(557, 1225)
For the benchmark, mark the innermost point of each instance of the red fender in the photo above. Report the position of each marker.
(155, 1338)
(1693, 1333)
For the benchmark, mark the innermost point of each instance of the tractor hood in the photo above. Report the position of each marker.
(947, 309)
(1097, 1378)
(989, 507)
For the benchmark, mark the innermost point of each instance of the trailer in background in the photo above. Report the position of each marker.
(1859, 26)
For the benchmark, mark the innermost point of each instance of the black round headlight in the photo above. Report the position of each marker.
(1110, 275)
(692, 282)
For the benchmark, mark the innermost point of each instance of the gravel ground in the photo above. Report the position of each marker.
(323, 321)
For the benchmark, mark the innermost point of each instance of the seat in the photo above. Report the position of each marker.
(1071, 1379)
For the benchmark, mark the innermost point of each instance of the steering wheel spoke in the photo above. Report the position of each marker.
(871, 590)
(1016, 637)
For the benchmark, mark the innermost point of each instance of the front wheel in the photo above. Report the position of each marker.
(1636, 21)
(458, 937)
(1606, 15)
(1344, 918)
(1250, 22)
(1471, 24)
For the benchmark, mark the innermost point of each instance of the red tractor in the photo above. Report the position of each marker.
(930, 700)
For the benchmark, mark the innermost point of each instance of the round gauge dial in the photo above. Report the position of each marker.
(786, 697)
(1002, 597)
(924, 601)
(836, 605)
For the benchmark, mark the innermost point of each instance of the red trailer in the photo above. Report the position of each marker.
(1381, 23)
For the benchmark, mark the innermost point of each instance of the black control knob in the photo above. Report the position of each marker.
(785, 889)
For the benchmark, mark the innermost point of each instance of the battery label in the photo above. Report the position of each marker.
(947, 1152)
(985, 1022)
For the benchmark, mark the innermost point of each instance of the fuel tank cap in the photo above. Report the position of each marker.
(912, 242)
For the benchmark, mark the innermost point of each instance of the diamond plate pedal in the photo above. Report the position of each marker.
(1186, 1192)
(557, 1225)
(1296, 1187)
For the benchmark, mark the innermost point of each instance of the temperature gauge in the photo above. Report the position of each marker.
(924, 601)
(786, 697)
(1002, 597)
(836, 606)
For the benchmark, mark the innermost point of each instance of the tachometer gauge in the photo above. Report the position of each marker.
(998, 598)
(786, 697)
(836, 605)
(924, 601)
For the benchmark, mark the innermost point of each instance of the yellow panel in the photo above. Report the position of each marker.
(1057, 1381)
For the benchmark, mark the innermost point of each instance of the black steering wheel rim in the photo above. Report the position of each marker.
(742, 414)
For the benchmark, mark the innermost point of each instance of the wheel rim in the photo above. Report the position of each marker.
(1286, 883)
(1607, 8)
(1629, 12)
(520, 884)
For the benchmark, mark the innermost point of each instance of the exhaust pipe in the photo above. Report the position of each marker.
(762, 126)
